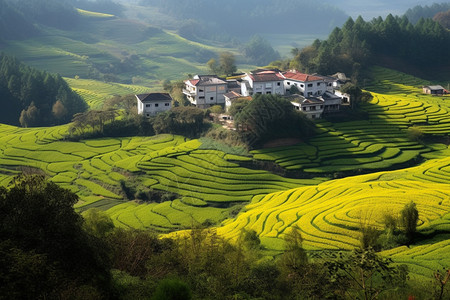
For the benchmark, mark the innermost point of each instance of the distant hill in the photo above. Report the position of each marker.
(236, 18)
(34, 98)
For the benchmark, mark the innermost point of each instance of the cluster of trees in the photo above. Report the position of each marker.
(258, 51)
(427, 12)
(49, 251)
(225, 66)
(245, 18)
(184, 120)
(443, 18)
(269, 117)
(30, 97)
(394, 42)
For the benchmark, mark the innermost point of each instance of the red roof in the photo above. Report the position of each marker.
(266, 76)
(193, 82)
(300, 76)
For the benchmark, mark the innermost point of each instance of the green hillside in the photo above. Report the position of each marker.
(105, 47)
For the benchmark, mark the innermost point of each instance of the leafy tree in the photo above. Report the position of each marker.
(268, 117)
(40, 225)
(409, 216)
(58, 110)
(172, 289)
(237, 106)
(97, 223)
(443, 18)
(189, 121)
(227, 63)
(364, 275)
(213, 66)
(259, 51)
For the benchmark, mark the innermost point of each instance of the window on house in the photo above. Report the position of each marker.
(148, 105)
(312, 108)
(268, 93)
(201, 97)
(310, 84)
(304, 108)
(156, 104)
(211, 98)
(166, 104)
(313, 116)
(321, 107)
(278, 83)
(302, 85)
(288, 83)
(148, 115)
(318, 84)
(309, 94)
(200, 90)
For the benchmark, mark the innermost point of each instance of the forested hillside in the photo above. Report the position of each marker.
(393, 42)
(34, 98)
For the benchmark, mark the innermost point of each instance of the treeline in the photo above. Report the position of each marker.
(393, 42)
(246, 18)
(30, 97)
(48, 251)
(427, 12)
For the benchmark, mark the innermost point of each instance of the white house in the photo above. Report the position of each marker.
(315, 107)
(153, 103)
(312, 107)
(205, 91)
(262, 82)
(308, 85)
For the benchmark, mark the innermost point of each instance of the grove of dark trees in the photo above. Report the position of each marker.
(30, 97)
(269, 117)
(420, 49)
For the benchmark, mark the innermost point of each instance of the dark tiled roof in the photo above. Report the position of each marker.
(154, 97)
(206, 80)
(434, 87)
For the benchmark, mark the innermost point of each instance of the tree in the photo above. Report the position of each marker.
(97, 223)
(364, 275)
(30, 116)
(39, 222)
(259, 51)
(237, 106)
(409, 216)
(58, 110)
(227, 63)
(213, 66)
(269, 117)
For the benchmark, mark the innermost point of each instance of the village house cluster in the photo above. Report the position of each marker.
(311, 94)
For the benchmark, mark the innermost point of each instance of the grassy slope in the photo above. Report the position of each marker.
(101, 40)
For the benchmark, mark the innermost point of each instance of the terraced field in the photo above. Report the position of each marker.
(382, 141)
(209, 186)
(205, 183)
(96, 92)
